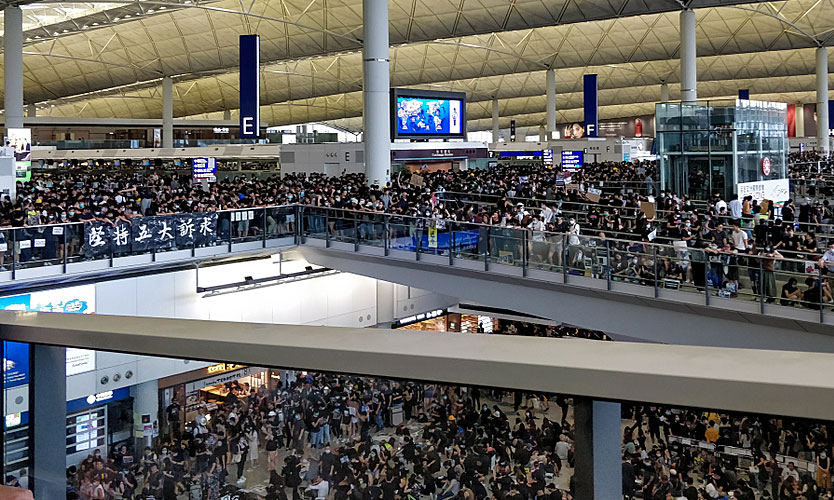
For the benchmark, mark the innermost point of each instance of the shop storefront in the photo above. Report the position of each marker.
(98, 422)
(441, 320)
(181, 396)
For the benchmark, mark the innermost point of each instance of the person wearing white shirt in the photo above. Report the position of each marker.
(734, 207)
(320, 487)
(546, 213)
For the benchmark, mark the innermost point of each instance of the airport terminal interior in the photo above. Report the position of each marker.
(417, 250)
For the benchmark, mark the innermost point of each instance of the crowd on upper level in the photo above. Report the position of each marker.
(721, 241)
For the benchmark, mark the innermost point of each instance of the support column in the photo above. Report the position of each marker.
(664, 92)
(31, 111)
(824, 143)
(167, 112)
(799, 113)
(48, 421)
(145, 402)
(13, 66)
(376, 92)
(495, 136)
(542, 134)
(227, 115)
(689, 69)
(551, 103)
(599, 439)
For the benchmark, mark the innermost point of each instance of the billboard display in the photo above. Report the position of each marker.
(420, 114)
(250, 86)
(21, 141)
(73, 300)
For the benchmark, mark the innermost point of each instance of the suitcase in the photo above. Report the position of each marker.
(396, 416)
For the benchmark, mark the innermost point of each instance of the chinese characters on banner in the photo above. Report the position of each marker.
(149, 233)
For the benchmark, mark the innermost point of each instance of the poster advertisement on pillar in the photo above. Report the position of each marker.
(21, 140)
(425, 114)
(810, 112)
(250, 86)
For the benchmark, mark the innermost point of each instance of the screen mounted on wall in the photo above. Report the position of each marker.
(424, 114)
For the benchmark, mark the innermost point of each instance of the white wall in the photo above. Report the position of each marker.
(344, 300)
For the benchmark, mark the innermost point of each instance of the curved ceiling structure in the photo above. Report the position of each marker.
(106, 59)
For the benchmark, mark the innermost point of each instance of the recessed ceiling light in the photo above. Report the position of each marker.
(95, 24)
(116, 18)
(127, 16)
(150, 11)
(163, 8)
(84, 27)
(65, 31)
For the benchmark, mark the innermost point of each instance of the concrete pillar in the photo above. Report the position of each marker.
(664, 92)
(689, 69)
(48, 421)
(13, 66)
(31, 111)
(227, 115)
(167, 112)
(822, 101)
(145, 402)
(800, 119)
(542, 134)
(376, 92)
(495, 135)
(599, 438)
(551, 103)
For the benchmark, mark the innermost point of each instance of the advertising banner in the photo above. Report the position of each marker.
(463, 240)
(21, 141)
(775, 190)
(250, 86)
(73, 300)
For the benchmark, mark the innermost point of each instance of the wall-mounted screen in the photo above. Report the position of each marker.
(423, 114)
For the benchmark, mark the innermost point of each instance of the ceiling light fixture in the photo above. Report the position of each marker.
(116, 19)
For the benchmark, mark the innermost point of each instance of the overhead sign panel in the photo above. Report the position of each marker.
(591, 106)
(250, 86)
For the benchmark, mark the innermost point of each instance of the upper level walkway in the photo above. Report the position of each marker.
(661, 293)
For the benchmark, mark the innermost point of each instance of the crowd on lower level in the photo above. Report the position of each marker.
(326, 437)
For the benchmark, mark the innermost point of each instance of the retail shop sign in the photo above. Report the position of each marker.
(222, 368)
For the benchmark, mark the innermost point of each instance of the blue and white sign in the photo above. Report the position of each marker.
(572, 160)
(98, 399)
(204, 169)
(547, 158)
(250, 86)
(73, 300)
(591, 106)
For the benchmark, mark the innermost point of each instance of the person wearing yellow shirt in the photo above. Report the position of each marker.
(711, 434)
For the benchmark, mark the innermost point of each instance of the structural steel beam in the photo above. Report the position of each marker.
(770, 382)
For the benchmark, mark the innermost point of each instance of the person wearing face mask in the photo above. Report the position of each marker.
(823, 470)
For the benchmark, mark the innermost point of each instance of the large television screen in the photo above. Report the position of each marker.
(422, 114)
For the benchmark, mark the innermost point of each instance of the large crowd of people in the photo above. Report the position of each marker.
(329, 437)
(731, 244)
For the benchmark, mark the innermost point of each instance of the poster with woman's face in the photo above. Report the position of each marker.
(575, 131)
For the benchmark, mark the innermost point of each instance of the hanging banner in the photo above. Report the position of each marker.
(97, 239)
(591, 106)
(250, 86)
(143, 234)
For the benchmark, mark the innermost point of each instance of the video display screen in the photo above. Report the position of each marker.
(419, 114)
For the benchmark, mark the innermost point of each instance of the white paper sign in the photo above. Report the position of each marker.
(25, 244)
(40, 242)
(58, 230)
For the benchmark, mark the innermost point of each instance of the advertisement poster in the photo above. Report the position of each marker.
(810, 112)
(73, 300)
(639, 126)
(21, 141)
